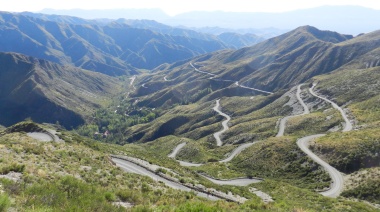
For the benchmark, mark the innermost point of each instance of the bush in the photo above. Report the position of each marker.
(68, 194)
(12, 168)
(110, 197)
(367, 190)
(161, 170)
(4, 202)
(128, 196)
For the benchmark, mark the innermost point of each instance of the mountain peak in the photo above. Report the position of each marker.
(323, 35)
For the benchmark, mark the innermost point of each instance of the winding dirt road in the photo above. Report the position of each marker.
(348, 125)
(134, 168)
(224, 123)
(236, 151)
(233, 154)
(176, 150)
(337, 178)
(203, 72)
(217, 135)
(298, 95)
(47, 136)
(282, 125)
(40, 136)
(254, 89)
(303, 143)
(233, 182)
(236, 82)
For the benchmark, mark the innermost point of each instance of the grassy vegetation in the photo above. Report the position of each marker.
(350, 151)
(78, 176)
(291, 198)
(219, 170)
(360, 88)
(281, 159)
(246, 132)
(368, 190)
(355, 85)
(367, 112)
(4, 202)
(364, 185)
(314, 123)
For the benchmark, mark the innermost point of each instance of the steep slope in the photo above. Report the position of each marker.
(48, 92)
(287, 60)
(112, 48)
(273, 65)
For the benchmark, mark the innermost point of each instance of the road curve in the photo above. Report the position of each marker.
(44, 137)
(254, 89)
(188, 164)
(236, 151)
(203, 72)
(348, 125)
(282, 125)
(298, 95)
(133, 168)
(336, 176)
(176, 150)
(224, 123)
(132, 80)
(233, 154)
(236, 82)
(234, 182)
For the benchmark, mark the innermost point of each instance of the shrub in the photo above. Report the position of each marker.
(161, 170)
(4, 202)
(12, 168)
(110, 197)
(128, 196)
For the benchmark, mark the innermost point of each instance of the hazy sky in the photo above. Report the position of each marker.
(173, 7)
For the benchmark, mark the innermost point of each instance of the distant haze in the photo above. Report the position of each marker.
(343, 19)
(175, 7)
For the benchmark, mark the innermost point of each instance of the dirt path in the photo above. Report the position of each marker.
(282, 125)
(236, 151)
(44, 137)
(233, 182)
(227, 80)
(224, 123)
(348, 125)
(336, 176)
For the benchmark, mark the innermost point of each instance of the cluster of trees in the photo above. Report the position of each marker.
(109, 125)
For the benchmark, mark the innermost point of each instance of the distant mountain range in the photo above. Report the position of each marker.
(344, 19)
(110, 47)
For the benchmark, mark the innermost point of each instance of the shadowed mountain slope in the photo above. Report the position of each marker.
(48, 92)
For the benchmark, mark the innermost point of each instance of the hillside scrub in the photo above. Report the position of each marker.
(350, 151)
(314, 123)
(281, 159)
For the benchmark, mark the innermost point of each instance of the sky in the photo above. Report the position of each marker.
(173, 7)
